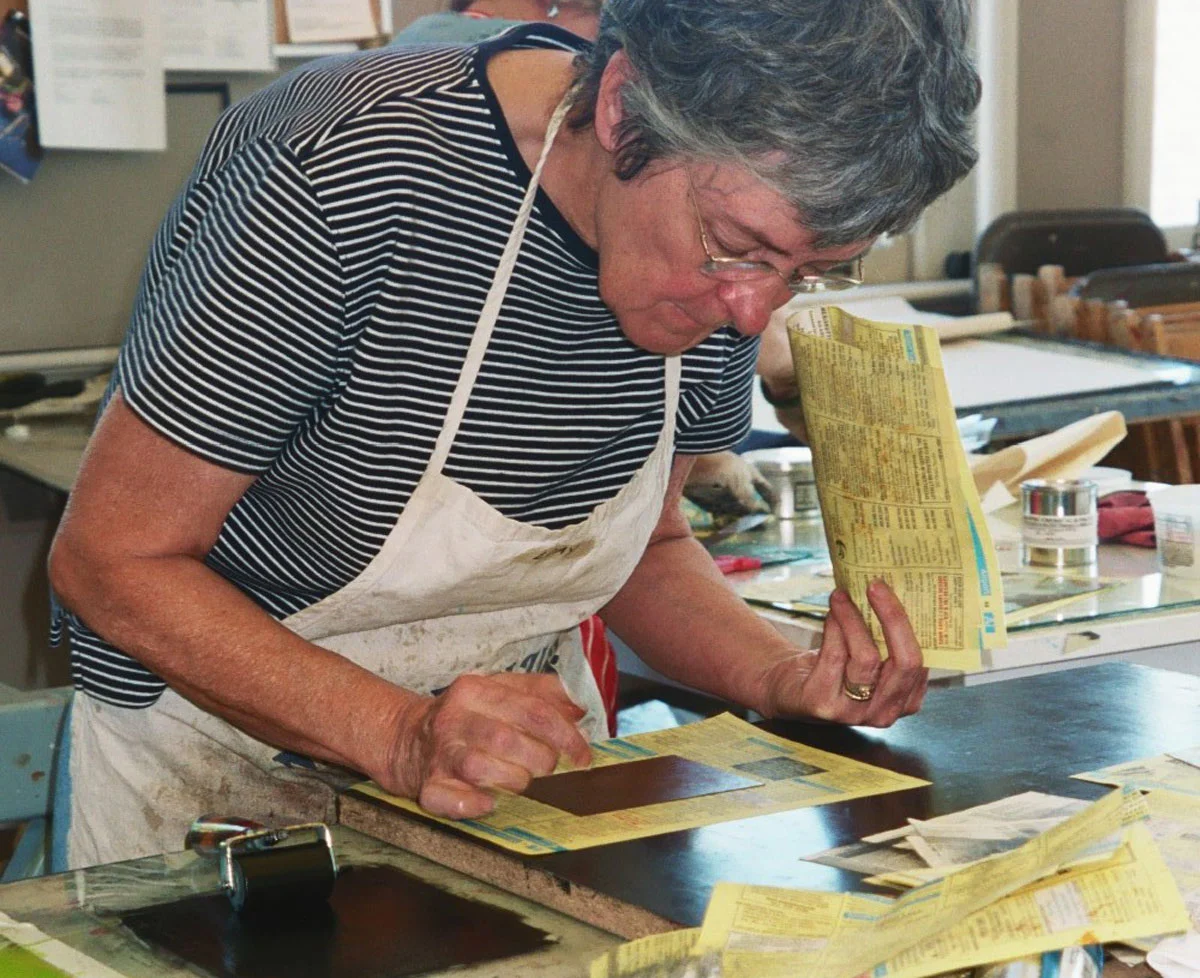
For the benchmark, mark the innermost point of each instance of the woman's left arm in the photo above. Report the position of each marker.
(680, 615)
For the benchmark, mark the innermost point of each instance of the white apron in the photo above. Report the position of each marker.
(456, 588)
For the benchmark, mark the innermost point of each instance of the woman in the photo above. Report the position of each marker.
(411, 387)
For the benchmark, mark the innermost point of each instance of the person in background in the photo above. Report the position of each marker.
(416, 373)
(469, 21)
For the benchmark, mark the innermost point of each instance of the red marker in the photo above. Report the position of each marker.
(731, 564)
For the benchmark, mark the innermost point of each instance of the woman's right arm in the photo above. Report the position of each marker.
(129, 560)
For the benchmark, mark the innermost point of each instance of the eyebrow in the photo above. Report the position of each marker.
(772, 246)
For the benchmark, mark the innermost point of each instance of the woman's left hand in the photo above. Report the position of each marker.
(848, 681)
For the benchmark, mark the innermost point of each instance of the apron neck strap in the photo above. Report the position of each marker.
(495, 299)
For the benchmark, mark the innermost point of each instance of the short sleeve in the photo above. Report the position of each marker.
(717, 417)
(237, 326)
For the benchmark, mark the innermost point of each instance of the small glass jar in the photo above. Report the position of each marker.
(1059, 523)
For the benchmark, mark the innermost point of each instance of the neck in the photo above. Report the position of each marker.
(577, 163)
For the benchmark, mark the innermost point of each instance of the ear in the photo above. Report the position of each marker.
(610, 110)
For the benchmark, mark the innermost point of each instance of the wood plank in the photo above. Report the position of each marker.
(500, 868)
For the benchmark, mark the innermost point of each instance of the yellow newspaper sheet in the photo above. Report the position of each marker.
(1127, 895)
(1175, 825)
(897, 497)
(1165, 771)
(791, 776)
(845, 935)
(646, 952)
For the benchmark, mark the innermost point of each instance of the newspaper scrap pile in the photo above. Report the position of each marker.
(897, 497)
(1172, 785)
(923, 850)
(1096, 876)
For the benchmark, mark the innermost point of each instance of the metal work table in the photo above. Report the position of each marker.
(52, 451)
(1149, 618)
(1172, 390)
(974, 745)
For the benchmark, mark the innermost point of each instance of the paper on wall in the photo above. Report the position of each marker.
(98, 72)
(219, 35)
(317, 21)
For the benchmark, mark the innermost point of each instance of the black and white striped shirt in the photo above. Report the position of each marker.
(307, 306)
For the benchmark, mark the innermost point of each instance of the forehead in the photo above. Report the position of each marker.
(735, 198)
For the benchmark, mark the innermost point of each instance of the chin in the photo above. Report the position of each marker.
(664, 338)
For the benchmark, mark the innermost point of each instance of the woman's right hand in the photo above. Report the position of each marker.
(481, 733)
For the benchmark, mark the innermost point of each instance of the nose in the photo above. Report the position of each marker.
(750, 304)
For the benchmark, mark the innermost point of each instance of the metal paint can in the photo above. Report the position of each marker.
(789, 470)
(1059, 523)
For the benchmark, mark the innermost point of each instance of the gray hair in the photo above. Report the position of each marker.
(857, 111)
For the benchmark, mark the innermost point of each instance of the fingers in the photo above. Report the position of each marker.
(850, 661)
(539, 706)
(454, 799)
(917, 697)
(904, 678)
(902, 645)
(864, 662)
(487, 733)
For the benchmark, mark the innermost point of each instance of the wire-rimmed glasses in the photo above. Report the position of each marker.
(747, 270)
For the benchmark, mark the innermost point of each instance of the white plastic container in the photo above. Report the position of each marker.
(1177, 529)
(1108, 479)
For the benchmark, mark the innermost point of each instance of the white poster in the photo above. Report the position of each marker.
(98, 73)
(316, 21)
(219, 35)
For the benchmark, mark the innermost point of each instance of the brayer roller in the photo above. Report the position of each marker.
(264, 869)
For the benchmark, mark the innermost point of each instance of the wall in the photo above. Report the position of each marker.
(1071, 96)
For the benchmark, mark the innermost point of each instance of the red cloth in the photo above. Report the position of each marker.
(1126, 517)
(598, 650)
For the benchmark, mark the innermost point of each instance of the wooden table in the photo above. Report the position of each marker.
(1170, 389)
(975, 744)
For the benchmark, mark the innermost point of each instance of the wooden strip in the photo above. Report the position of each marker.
(501, 869)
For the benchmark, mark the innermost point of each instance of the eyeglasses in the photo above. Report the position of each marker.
(745, 270)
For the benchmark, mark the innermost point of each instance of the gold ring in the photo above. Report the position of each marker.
(860, 692)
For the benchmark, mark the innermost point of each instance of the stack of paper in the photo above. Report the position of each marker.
(897, 498)
(1033, 899)
(1063, 454)
(920, 851)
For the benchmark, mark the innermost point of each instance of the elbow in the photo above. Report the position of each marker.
(72, 569)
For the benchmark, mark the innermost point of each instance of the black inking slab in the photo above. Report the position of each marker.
(380, 922)
(615, 787)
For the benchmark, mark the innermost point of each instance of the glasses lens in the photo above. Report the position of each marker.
(735, 270)
(821, 283)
